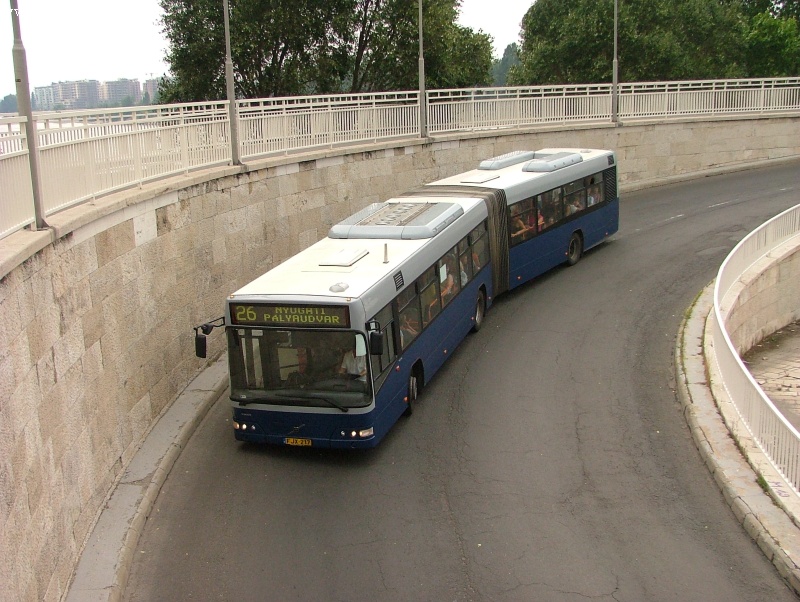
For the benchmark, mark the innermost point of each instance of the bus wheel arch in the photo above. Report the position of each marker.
(480, 310)
(575, 248)
(416, 381)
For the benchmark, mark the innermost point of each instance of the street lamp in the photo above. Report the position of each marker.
(233, 116)
(25, 110)
(615, 73)
(423, 109)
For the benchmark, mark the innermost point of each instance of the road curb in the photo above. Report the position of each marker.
(104, 567)
(768, 524)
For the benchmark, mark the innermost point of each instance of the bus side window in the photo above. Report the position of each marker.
(575, 202)
(429, 296)
(550, 209)
(410, 323)
(382, 363)
(522, 224)
(449, 280)
(594, 189)
(464, 261)
(480, 249)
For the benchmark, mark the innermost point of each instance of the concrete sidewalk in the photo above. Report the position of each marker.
(771, 522)
(105, 563)
(102, 572)
(775, 364)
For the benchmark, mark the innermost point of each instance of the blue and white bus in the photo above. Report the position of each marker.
(331, 347)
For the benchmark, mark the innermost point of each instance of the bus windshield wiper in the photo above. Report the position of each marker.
(312, 396)
(244, 400)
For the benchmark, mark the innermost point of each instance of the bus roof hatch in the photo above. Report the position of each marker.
(544, 162)
(506, 160)
(398, 219)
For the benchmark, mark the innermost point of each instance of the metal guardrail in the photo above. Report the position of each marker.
(773, 433)
(87, 154)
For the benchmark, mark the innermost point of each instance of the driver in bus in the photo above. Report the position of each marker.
(353, 362)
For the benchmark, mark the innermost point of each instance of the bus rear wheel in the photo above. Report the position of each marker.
(413, 393)
(575, 249)
(480, 311)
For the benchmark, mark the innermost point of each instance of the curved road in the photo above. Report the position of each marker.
(549, 460)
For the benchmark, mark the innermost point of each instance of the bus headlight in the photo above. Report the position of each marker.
(235, 425)
(362, 433)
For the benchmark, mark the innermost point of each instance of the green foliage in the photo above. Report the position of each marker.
(772, 47)
(501, 68)
(8, 104)
(787, 9)
(659, 40)
(282, 47)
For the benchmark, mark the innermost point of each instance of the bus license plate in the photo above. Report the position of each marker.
(296, 441)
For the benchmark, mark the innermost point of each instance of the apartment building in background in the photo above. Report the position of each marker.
(90, 94)
(83, 94)
(151, 87)
(114, 93)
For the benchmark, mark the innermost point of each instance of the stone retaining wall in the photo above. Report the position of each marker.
(96, 314)
(766, 297)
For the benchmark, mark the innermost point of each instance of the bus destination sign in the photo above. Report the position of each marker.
(298, 316)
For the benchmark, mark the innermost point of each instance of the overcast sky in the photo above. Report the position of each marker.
(110, 39)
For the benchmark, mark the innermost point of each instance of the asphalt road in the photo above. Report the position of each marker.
(548, 460)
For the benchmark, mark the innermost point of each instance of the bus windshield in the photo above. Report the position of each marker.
(299, 367)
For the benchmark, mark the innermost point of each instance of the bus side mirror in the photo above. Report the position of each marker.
(199, 344)
(200, 334)
(376, 342)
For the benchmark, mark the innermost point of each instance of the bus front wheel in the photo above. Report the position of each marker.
(413, 393)
(480, 311)
(575, 249)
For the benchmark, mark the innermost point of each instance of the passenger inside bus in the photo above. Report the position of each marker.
(465, 269)
(594, 195)
(447, 278)
(575, 205)
(519, 229)
(409, 329)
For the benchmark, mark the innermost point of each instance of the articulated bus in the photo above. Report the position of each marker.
(331, 347)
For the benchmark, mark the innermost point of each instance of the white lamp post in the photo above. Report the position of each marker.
(615, 73)
(233, 114)
(25, 110)
(423, 109)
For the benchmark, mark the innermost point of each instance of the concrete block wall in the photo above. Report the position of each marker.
(766, 297)
(96, 314)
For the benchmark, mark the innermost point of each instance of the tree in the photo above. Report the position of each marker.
(8, 104)
(385, 47)
(572, 42)
(277, 47)
(501, 68)
(282, 48)
(786, 9)
(772, 46)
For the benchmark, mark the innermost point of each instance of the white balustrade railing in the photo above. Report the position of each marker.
(499, 108)
(86, 154)
(773, 433)
(16, 192)
(713, 97)
(283, 125)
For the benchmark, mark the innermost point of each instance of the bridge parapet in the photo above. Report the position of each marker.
(84, 155)
(757, 292)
